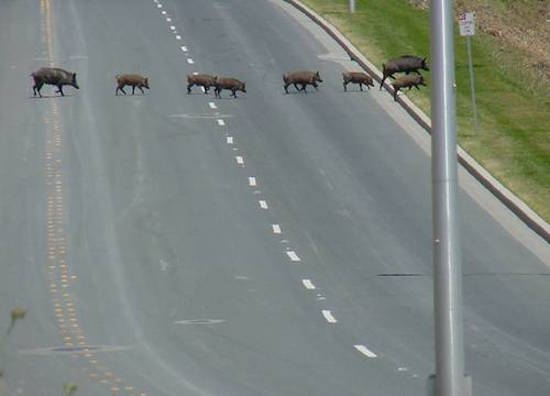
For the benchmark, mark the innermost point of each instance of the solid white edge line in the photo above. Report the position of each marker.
(252, 181)
(263, 204)
(276, 228)
(293, 256)
(221, 122)
(366, 351)
(328, 316)
(308, 284)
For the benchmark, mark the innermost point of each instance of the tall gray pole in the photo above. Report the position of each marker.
(447, 261)
(351, 6)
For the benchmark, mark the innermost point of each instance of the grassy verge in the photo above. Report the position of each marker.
(513, 141)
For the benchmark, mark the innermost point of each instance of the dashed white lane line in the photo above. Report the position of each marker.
(276, 228)
(263, 204)
(212, 105)
(178, 37)
(366, 351)
(229, 139)
(293, 256)
(195, 73)
(183, 48)
(163, 12)
(239, 159)
(159, 5)
(221, 122)
(308, 284)
(172, 27)
(168, 19)
(190, 61)
(328, 316)
(252, 181)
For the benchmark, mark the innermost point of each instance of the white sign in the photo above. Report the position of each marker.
(466, 22)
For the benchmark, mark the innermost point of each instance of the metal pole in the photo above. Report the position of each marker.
(351, 6)
(472, 85)
(447, 261)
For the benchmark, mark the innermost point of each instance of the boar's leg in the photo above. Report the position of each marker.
(286, 87)
(345, 86)
(60, 90)
(234, 92)
(395, 94)
(141, 89)
(361, 86)
(189, 88)
(133, 89)
(37, 87)
(206, 88)
(121, 87)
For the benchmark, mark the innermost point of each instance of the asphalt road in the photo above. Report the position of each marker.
(270, 245)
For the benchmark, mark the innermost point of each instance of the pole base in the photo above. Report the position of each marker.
(431, 386)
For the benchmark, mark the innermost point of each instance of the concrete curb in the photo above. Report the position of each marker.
(518, 207)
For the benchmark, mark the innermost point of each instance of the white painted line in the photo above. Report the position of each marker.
(183, 48)
(308, 284)
(221, 122)
(263, 204)
(212, 105)
(293, 256)
(328, 316)
(252, 181)
(239, 159)
(168, 19)
(163, 12)
(195, 73)
(229, 140)
(159, 5)
(190, 61)
(172, 27)
(202, 89)
(178, 37)
(365, 351)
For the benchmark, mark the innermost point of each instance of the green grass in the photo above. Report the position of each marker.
(513, 141)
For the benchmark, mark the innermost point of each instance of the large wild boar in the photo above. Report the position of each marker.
(202, 80)
(133, 80)
(53, 76)
(303, 78)
(407, 82)
(405, 64)
(357, 78)
(229, 83)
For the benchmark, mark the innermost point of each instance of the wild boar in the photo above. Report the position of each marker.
(203, 80)
(53, 76)
(357, 78)
(405, 64)
(229, 83)
(134, 80)
(407, 82)
(303, 78)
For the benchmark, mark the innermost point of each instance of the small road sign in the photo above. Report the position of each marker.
(466, 22)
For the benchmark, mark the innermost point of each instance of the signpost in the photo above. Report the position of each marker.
(351, 6)
(466, 23)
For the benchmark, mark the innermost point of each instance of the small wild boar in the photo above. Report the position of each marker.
(405, 64)
(228, 83)
(53, 76)
(357, 78)
(134, 80)
(203, 80)
(407, 82)
(303, 78)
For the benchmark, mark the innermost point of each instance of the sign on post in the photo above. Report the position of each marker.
(466, 23)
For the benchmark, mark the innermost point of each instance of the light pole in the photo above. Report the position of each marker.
(447, 260)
